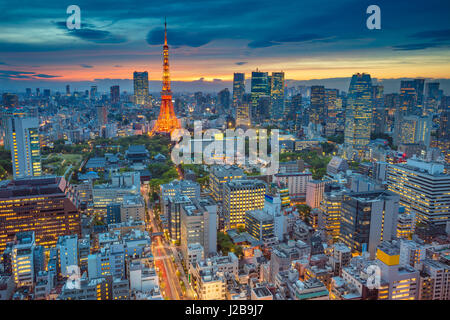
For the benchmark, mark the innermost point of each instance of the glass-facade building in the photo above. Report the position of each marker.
(140, 82)
(358, 114)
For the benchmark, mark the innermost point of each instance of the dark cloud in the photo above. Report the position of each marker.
(300, 38)
(88, 32)
(15, 74)
(261, 44)
(47, 76)
(436, 35)
(87, 66)
(293, 38)
(240, 63)
(179, 37)
(416, 46)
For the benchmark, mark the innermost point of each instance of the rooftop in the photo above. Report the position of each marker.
(32, 186)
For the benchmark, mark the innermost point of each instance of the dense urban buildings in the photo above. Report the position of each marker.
(95, 204)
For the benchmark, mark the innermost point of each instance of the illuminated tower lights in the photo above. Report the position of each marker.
(167, 120)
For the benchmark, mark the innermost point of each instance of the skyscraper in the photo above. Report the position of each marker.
(68, 90)
(423, 190)
(93, 92)
(408, 96)
(102, 115)
(318, 114)
(367, 218)
(358, 115)
(277, 95)
(243, 111)
(331, 96)
(25, 148)
(224, 100)
(296, 112)
(413, 129)
(115, 94)
(259, 87)
(240, 196)
(378, 111)
(238, 89)
(432, 97)
(140, 82)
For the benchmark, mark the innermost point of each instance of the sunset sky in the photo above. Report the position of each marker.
(308, 39)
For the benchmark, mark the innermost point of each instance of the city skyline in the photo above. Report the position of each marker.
(212, 41)
(225, 176)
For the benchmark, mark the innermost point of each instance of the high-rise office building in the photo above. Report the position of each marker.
(411, 96)
(317, 109)
(243, 111)
(115, 94)
(444, 124)
(398, 282)
(23, 137)
(358, 115)
(419, 86)
(331, 100)
(23, 259)
(295, 109)
(434, 281)
(423, 189)
(67, 252)
(38, 204)
(262, 111)
(238, 88)
(68, 90)
(102, 115)
(199, 225)
(219, 175)
(223, 98)
(408, 96)
(240, 196)
(378, 110)
(367, 218)
(413, 129)
(260, 225)
(93, 93)
(174, 204)
(329, 218)
(314, 193)
(140, 82)
(277, 95)
(432, 93)
(260, 86)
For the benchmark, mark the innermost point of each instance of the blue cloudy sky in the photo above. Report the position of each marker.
(308, 39)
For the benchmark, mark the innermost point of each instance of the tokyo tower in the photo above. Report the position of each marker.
(167, 120)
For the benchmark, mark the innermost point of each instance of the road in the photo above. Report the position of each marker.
(163, 255)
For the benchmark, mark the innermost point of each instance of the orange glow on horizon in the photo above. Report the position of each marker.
(295, 69)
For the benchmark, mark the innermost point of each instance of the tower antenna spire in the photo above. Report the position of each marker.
(167, 120)
(165, 31)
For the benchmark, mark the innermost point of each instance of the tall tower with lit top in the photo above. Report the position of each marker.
(167, 120)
